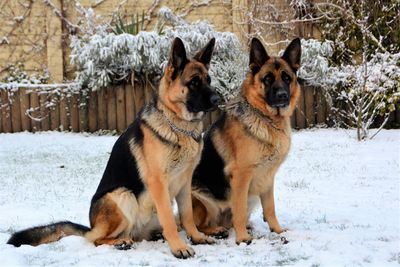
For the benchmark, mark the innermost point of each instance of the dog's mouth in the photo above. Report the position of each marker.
(280, 105)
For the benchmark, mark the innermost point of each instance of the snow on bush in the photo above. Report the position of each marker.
(315, 68)
(382, 77)
(17, 74)
(105, 57)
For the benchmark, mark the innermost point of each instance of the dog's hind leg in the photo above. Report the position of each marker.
(268, 205)
(202, 218)
(108, 225)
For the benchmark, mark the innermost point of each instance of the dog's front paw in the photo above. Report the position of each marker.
(244, 239)
(219, 232)
(183, 253)
(124, 244)
(278, 230)
(202, 239)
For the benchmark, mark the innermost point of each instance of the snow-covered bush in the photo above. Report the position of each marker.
(106, 58)
(365, 91)
(315, 69)
(16, 74)
(359, 92)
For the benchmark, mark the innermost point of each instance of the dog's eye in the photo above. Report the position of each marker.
(208, 79)
(286, 78)
(194, 82)
(269, 78)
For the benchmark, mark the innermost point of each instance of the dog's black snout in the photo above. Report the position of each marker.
(215, 100)
(282, 95)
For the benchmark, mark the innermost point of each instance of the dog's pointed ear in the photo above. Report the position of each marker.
(258, 55)
(204, 55)
(178, 57)
(292, 54)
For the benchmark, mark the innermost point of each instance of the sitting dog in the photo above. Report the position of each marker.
(246, 145)
(151, 164)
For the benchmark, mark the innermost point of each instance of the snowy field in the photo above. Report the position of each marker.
(338, 197)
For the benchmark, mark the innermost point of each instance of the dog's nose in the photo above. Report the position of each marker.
(215, 99)
(282, 95)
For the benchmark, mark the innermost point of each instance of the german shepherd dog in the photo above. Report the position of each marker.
(245, 147)
(151, 163)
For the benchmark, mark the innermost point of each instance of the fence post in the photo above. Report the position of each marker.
(111, 109)
(92, 116)
(120, 101)
(293, 119)
(16, 112)
(74, 111)
(138, 96)
(102, 108)
(5, 111)
(54, 112)
(148, 91)
(321, 107)
(45, 122)
(83, 111)
(64, 112)
(130, 103)
(34, 106)
(24, 100)
(300, 118)
(309, 105)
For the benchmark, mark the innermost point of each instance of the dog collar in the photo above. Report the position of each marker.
(196, 136)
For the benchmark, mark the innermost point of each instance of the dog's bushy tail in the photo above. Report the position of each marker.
(47, 233)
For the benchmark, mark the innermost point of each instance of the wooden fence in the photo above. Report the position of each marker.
(113, 108)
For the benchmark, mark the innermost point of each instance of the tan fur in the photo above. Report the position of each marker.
(252, 148)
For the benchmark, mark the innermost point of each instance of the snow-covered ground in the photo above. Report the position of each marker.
(338, 197)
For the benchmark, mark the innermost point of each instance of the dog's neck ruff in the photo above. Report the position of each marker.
(239, 106)
(166, 114)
